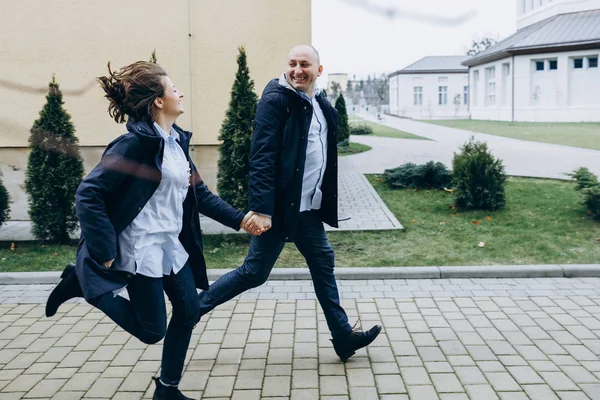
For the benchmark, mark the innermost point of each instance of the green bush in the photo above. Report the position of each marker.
(592, 200)
(479, 178)
(584, 178)
(433, 175)
(343, 143)
(4, 202)
(54, 171)
(361, 129)
(588, 185)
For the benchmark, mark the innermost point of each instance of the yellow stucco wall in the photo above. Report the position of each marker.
(196, 42)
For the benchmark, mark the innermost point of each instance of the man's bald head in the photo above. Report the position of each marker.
(305, 48)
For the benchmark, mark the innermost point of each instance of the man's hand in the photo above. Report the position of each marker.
(257, 224)
(245, 220)
(108, 264)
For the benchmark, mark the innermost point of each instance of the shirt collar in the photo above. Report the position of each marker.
(164, 134)
(283, 81)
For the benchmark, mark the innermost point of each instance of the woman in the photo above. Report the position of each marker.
(138, 212)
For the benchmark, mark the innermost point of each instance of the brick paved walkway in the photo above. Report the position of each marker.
(479, 339)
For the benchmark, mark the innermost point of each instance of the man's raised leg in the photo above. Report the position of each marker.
(255, 270)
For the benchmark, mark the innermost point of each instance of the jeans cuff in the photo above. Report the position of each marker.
(167, 382)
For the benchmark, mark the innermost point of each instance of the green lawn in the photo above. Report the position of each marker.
(543, 224)
(382, 130)
(386, 131)
(352, 148)
(586, 135)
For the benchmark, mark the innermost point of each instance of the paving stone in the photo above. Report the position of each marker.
(305, 379)
(104, 387)
(540, 392)
(23, 383)
(446, 383)
(422, 393)
(219, 386)
(333, 385)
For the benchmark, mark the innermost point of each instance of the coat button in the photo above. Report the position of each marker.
(292, 205)
(139, 209)
(297, 169)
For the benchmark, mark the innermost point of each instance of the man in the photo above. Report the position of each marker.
(293, 190)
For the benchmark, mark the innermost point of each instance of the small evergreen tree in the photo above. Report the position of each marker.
(54, 170)
(236, 138)
(343, 126)
(4, 202)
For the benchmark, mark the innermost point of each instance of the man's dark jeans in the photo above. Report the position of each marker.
(312, 242)
(145, 315)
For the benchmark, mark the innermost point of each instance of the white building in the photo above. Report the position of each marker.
(432, 88)
(547, 71)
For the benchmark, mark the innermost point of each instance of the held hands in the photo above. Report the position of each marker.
(108, 264)
(256, 224)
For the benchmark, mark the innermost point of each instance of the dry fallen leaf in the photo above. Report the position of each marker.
(597, 239)
(488, 218)
(12, 246)
(476, 222)
(449, 190)
(481, 244)
(413, 221)
(3, 258)
(442, 223)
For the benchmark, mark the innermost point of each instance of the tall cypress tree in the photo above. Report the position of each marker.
(236, 137)
(54, 170)
(4, 202)
(343, 127)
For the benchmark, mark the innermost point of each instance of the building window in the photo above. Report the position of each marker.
(466, 95)
(578, 63)
(506, 69)
(552, 65)
(442, 95)
(592, 62)
(418, 95)
(539, 65)
(490, 85)
(523, 6)
(443, 79)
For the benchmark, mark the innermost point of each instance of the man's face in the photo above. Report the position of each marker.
(303, 69)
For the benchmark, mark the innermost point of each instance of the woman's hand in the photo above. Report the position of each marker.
(258, 224)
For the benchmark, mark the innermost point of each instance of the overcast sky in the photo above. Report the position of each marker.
(355, 40)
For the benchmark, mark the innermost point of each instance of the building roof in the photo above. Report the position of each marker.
(435, 64)
(560, 32)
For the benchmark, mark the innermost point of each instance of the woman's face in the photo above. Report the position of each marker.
(169, 104)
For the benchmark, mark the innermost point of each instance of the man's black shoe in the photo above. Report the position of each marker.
(346, 346)
(67, 289)
(163, 392)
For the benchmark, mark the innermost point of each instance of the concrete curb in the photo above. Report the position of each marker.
(366, 273)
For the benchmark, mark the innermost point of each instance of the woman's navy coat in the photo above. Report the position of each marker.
(117, 189)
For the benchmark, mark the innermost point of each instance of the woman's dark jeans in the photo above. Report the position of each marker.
(144, 315)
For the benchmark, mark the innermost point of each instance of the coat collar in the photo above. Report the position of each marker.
(149, 131)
